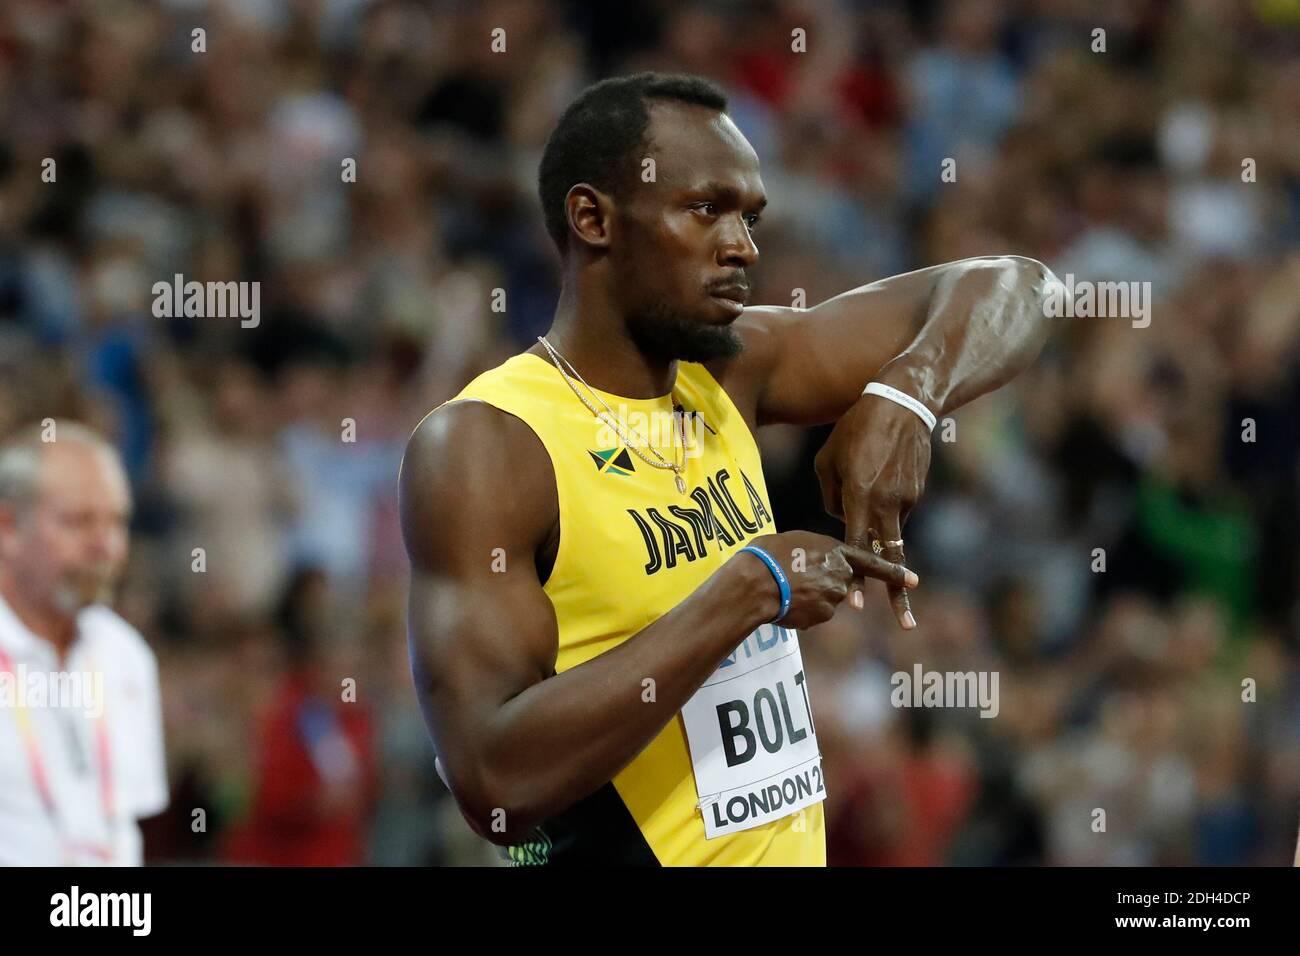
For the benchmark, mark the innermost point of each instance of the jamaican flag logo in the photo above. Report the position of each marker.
(612, 461)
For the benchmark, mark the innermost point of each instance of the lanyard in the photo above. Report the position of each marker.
(102, 853)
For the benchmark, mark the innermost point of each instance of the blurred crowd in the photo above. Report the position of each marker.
(1114, 534)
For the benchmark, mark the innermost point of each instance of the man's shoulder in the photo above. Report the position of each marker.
(466, 432)
(482, 405)
(470, 462)
(745, 376)
(505, 384)
(117, 640)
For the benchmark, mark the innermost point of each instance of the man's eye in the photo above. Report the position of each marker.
(753, 221)
(709, 208)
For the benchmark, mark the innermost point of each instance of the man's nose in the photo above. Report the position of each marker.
(104, 539)
(738, 248)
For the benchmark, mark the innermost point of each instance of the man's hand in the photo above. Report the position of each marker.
(872, 471)
(821, 580)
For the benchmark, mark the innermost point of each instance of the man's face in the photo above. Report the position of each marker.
(69, 548)
(684, 241)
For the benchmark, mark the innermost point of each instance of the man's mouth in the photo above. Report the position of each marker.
(731, 298)
(87, 586)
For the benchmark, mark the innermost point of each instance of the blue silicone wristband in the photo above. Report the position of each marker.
(781, 582)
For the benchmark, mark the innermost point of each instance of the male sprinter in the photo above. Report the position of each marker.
(603, 624)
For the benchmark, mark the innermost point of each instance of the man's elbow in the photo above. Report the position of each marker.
(1035, 274)
(500, 810)
(1029, 279)
(1025, 271)
(1014, 273)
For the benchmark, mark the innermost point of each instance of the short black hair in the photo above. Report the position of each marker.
(601, 135)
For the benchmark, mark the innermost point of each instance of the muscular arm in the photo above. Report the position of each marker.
(945, 335)
(516, 743)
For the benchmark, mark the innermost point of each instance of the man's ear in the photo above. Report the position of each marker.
(590, 213)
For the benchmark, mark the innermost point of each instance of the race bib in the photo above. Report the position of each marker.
(751, 735)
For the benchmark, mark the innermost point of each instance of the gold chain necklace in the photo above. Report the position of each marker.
(612, 420)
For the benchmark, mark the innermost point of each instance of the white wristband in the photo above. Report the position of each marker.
(902, 398)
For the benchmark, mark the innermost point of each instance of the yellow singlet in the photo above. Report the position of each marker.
(632, 547)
